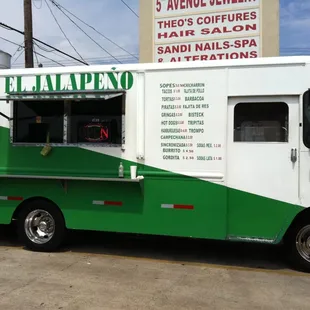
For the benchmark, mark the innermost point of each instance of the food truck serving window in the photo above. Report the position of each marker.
(34, 120)
(98, 121)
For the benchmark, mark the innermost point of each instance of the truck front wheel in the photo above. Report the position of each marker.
(41, 226)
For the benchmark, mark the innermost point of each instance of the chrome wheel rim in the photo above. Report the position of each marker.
(303, 243)
(39, 226)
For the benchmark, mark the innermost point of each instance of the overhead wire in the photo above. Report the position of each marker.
(19, 48)
(88, 35)
(23, 47)
(51, 51)
(43, 48)
(286, 50)
(36, 56)
(62, 30)
(18, 56)
(54, 61)
(125, 3)
(7, 40)
(93, 28)
(96, 59)
(127, 59)
(92, 60)
(54, 50)
(41, 4)
(7, 27)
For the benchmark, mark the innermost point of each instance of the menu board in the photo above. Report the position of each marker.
(190, 124)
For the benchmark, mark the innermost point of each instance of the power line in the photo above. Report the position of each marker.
(93, 60)
(54, 61)
(18, 56)
(43, 48)
(20, 46)
(51, 51)
(48, 63)
(87, 34)
(5, 26)
(99, 58)
(103, 62)
(93, 28)
(4, 39)
(41, 4)
(62, 30)
(130, 8)
(36, 55)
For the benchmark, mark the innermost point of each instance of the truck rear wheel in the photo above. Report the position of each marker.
(298, 246)
(41, 226)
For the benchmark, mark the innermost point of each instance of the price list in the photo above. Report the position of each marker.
(184, 132)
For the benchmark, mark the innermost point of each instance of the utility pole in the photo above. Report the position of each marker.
(28, 34)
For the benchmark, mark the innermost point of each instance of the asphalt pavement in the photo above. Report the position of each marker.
(111, 271)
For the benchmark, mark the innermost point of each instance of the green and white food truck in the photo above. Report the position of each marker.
(216, 150)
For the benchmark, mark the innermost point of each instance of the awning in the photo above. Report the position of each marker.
(105, 95)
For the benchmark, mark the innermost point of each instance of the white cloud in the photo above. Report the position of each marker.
(295, 22)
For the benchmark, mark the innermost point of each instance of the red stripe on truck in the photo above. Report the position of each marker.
(186, 207)
(113, 203)
(107, 203)
(177, 206)
(15, 198)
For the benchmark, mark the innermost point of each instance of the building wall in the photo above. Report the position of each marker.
(270, 28)
(266, 36)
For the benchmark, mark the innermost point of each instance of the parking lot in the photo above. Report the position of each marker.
(108, 271)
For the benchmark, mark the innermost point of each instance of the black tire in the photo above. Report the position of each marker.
(52, 221)
(299, 257)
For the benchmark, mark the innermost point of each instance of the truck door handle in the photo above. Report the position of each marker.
(293, 155)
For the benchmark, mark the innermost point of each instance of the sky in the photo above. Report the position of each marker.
(295, 27)
(114, 20)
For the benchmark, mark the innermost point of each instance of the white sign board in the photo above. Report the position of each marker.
(187, 30)
(182, 113)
